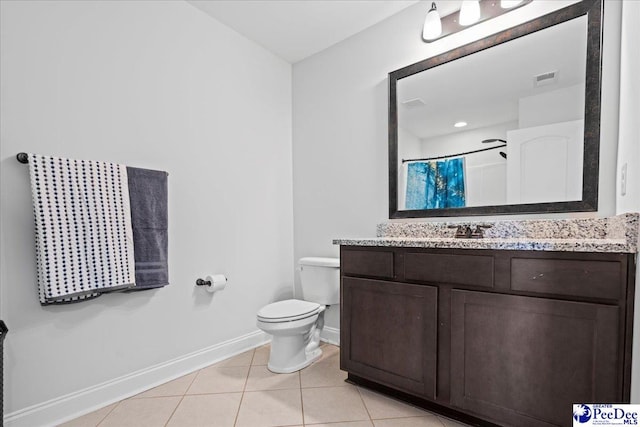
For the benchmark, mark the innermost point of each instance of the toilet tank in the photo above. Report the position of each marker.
(320, 280)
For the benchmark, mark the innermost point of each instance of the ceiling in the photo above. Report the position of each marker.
(297, 29)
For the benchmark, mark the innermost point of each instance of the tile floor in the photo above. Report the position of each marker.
(241, 392)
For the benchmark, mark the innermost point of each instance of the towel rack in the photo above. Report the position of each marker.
(3, 335)
(23, 158)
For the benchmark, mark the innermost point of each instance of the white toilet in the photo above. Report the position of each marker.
(296, 324)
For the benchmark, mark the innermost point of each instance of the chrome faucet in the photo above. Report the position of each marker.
(462, 231)
(465, 231)
(478, 233)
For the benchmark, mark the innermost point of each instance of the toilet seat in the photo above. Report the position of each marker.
(288, 311)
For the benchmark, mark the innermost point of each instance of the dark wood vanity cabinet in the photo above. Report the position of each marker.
(404, 359)
(512, 338)
(525, 360)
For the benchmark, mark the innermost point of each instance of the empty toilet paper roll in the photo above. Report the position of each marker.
(218, 282)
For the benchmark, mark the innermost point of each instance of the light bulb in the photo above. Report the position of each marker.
(469, 12)
(432, 24)
(508, 4)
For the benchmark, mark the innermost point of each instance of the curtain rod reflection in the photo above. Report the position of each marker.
(453, 155)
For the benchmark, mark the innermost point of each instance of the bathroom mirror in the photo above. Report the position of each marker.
(509, 124)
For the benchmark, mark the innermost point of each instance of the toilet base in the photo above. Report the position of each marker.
(278, 368)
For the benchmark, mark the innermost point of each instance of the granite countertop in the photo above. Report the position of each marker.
(618, 234)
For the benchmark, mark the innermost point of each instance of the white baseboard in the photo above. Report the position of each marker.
(330, 335)
(73, 405)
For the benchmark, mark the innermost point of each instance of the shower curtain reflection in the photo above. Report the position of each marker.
(435, 184)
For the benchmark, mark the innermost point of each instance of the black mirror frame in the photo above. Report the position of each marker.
(590, 170)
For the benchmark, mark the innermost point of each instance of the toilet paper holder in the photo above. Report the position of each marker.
(202, 282)
(214, 283)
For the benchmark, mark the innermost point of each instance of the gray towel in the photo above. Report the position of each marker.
(149, 220)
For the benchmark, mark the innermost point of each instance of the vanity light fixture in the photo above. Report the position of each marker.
(460, 124)
(471, 12)
(432, 25)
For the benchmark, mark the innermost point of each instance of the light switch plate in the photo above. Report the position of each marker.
(623, 180)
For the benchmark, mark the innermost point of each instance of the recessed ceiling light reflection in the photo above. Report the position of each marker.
(460, 124)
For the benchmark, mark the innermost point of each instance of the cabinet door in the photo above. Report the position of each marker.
(388, 333)
(524, 361)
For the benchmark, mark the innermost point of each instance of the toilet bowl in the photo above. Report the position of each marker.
(295, 324)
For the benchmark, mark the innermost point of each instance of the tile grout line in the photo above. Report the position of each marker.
(301, 400)
(181, 399)
(253, 356)
(364, 404)
(440, 419)
(109, 413)
(235, 421)
(327, 386)
(192, 381)
(174, 411)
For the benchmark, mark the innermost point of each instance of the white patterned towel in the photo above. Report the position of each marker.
(84, 239)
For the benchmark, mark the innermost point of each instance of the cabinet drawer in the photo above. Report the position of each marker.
(591, 279)
(367, 263)
(472, 270)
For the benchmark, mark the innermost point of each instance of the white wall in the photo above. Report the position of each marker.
(340, 123)
(629, 151)
(155, 84)
(468, 140)
(629, 138)
(560, 105)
